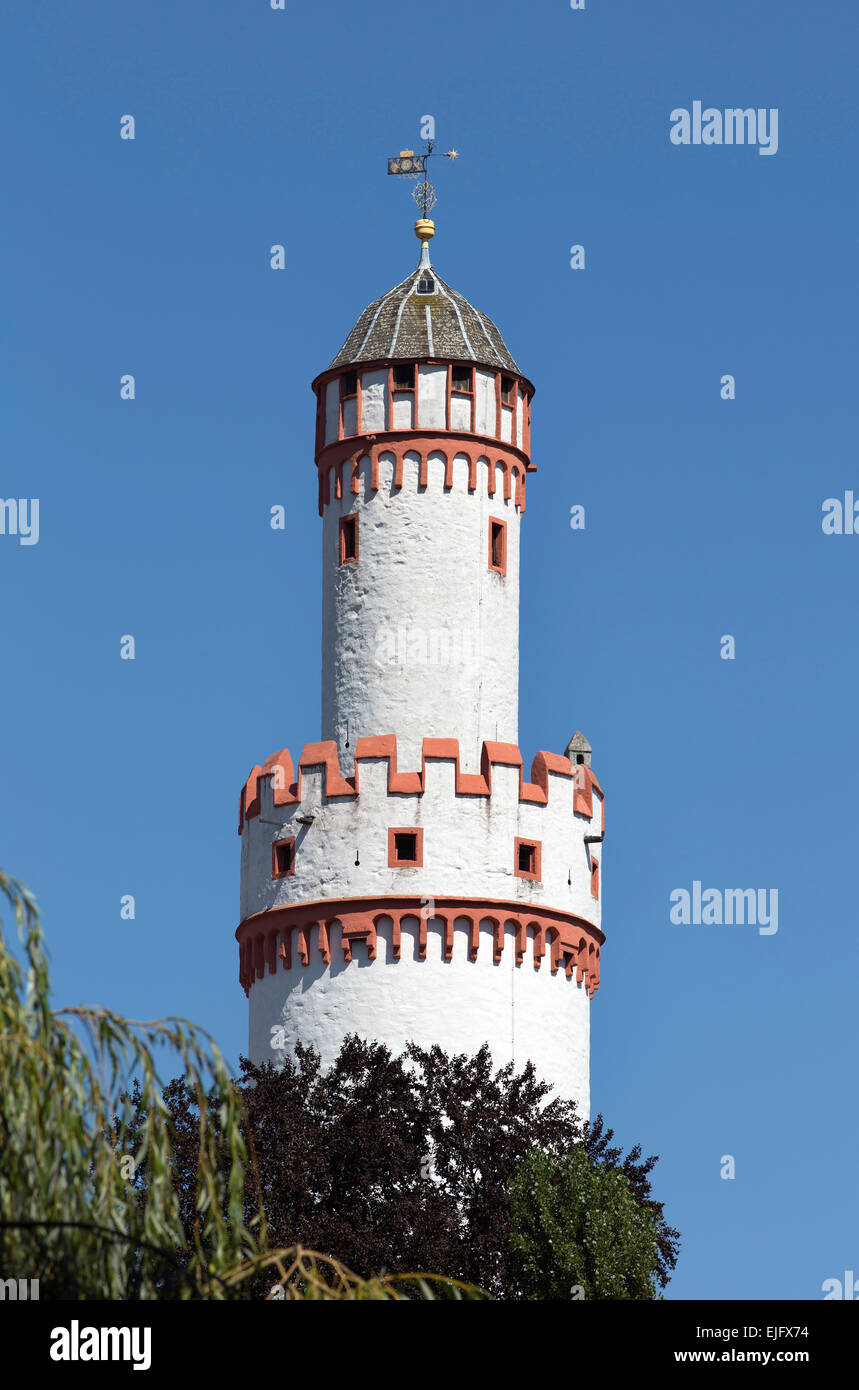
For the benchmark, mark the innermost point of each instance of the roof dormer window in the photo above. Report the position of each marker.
(426, 285)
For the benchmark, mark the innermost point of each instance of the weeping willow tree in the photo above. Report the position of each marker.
(73, 1212)
(87, 1198)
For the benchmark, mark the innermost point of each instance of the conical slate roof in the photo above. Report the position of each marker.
(406, 323)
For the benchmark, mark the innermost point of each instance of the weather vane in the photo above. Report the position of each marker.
(414, 166)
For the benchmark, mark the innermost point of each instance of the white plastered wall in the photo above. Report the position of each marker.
(419, 637)
(374, 400)
(468, 846)
(468, 852)
(524, 1014)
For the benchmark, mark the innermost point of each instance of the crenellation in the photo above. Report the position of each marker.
(552, 775)
(471, 824)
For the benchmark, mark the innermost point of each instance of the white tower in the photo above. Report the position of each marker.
(405, 881)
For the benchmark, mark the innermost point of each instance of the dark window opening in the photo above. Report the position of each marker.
(349, 384)
(498, 546)
(283, 858)
(348, 538)
(527, 859)
(405, 848)
(507, 385)
(404, 378)
(461, 380)
(580, 757)
(426, 285)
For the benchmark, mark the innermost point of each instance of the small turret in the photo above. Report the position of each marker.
(578, 750)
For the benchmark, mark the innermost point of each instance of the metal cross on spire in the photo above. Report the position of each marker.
(414, 166)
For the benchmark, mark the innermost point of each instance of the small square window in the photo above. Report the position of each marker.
(498, 546)
(404, 378)
(283, 858)
(527, 858)
(426, 285)
(348, 539)
(507, 387)
(349, 384)
(405, 847)
(460, 380)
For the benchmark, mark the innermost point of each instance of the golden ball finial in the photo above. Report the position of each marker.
(424, 228)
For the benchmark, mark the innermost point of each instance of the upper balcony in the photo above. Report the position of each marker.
(434, 396)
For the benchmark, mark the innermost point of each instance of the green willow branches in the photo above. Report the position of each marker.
(87, 1202)
(88, 1175)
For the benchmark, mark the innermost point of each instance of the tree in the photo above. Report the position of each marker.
(75, 1212)
(93, 1201)
(406, 1163)
(577, 1231)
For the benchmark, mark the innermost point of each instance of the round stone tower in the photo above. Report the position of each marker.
(405, 881)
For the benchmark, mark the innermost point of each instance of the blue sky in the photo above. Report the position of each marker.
(256, 127)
